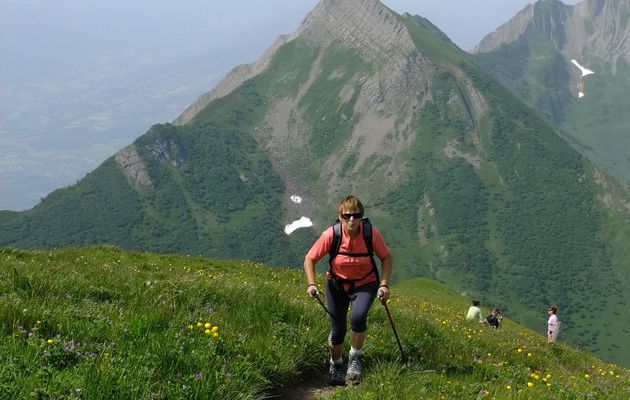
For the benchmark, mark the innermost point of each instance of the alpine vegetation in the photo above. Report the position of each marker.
(101, 323)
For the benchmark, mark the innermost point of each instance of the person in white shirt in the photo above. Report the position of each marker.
(553, 325)
(474, 311)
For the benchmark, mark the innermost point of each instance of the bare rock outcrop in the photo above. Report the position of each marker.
(366, 25)
(508, 32)
(133, 166)
(590, 30)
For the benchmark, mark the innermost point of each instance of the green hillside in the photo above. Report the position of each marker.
(100, 323)
(207, 205)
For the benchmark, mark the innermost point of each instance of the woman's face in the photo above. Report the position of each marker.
(351, 220)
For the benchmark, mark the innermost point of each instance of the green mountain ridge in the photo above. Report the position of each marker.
(101, 323)
(532, 55)
(468, 185)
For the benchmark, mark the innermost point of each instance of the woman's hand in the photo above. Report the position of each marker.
(383, 293)
(311, 290)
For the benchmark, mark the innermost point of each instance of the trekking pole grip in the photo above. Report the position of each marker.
(380, 296)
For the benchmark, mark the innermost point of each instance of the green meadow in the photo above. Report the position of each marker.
(101, 323)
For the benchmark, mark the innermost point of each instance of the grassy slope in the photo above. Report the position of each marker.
(101, 323)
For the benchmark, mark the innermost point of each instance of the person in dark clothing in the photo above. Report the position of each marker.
(493, 319)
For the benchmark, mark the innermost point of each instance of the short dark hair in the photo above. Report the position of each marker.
(553, 309)
(476, 303)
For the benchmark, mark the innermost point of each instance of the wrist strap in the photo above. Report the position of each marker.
(383, 286)
(311, 284)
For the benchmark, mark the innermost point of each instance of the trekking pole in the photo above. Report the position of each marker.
(391, 322)
(315, 293)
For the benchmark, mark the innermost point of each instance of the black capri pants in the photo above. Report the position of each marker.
(361, 298)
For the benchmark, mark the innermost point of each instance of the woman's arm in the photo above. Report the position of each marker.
(309, 269)
(387, 265)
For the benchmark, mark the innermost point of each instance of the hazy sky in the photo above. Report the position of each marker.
(80, 79)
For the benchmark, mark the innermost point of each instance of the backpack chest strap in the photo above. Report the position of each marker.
(345, 253)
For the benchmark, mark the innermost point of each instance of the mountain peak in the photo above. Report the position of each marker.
(365, 24)
(592, 29)
(546, 15)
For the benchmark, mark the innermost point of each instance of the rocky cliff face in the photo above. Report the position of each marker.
(600, 30)
(132, 166)
(366, 25)
(593, 30)
(506, 33)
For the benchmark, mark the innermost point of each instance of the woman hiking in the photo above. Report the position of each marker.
(352, 279)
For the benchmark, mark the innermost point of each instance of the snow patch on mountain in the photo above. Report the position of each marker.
(303, 222)
(585, 71)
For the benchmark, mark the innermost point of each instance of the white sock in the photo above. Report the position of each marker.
(355, 352)
(336, 362)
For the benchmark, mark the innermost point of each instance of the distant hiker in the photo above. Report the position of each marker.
(494, 319)
(553, 325)
(352, 278)
(474, 312)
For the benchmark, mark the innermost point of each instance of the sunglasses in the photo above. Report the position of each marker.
(355, 215)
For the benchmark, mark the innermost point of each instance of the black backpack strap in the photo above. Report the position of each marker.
(367, 237)
(336, 243)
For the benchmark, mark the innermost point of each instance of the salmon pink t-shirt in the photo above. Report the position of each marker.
(348, 267)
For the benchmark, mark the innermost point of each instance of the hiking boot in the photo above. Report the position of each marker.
(336, 374)
(354, 368)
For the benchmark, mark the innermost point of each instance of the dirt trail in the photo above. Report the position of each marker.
(315, 387)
